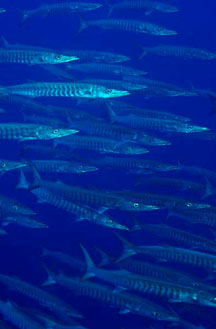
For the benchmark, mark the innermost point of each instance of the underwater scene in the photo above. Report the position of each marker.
(107, 164)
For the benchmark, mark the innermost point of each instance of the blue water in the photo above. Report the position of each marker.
(21, 249)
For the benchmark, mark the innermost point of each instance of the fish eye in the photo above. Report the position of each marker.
(156, 314)
(55, 131)
(108, 91)
(80, 167)
(15, 207)
(3, 164)
(189, 204)
(109, 221)
(135, 205)
(58, 57)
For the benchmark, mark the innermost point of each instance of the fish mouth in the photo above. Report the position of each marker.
(67, 132)
(169, 32)
(70, 59)
(119, 93)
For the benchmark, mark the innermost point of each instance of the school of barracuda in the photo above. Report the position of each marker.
(160, 282)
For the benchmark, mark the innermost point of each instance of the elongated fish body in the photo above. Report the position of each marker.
(127, 303)
(207, 218)
(82, 212)
(21, 220)
(62, 89)
(158, 272)
(163, 201)
(2, 10)
(102, 145)
(8, 165)
(95, 198)
(181, 52)
(44, 298)
(123, 108)
(180, 256)
(117, 132)
(61, 166)
(146, 5)
(128, 25)
(98, 56)
(134, 165)
(61, 8)
(158, 124)
(169, 290)
(23, 132)
(17, 318)
(97, 128)
(175, 184)
(117, 84)
(105, 69)
(186, 239)
(159, 88)
(33, 57)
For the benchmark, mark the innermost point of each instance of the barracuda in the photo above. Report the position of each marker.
(82, 212)
(23, 132)
(171, 254)
(173, 292)
(184, 238)
(33, 57)
(102, 145)
(60, 8)
(181, 52)
(127, 303)
(44, 298)
(128, 25)
(141, 166)
(100, 199)
(108, 69)
(62, 89)
(146, 5)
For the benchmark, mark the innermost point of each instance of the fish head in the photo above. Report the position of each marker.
(163, 31)
(16, 208)
(194, 206)
(164, 315)
(53, 58)
(131, 149)
(83, 168)
(27, 222)
(109, 222)
(45, 132)
(136, 206)
(58, 58)
(104, 92)
(166, 8)
(6, 165)
(207, 299)
(153, 141)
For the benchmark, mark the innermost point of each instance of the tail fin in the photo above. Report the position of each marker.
(209, 190)
(128, 248)
(37, 180)
(111, 113)
(145, 51)
(213, 101)
(83, 25)
(50, 277)
(90, 266)
(5, 42)
(25, 17)
(22, 184)
(105, 259)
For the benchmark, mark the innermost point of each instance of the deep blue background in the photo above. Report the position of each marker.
(20, 251)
